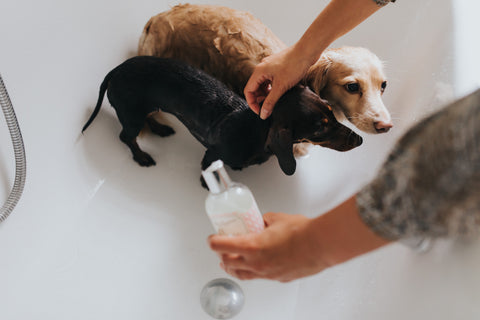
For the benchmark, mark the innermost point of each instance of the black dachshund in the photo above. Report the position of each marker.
(217, 117)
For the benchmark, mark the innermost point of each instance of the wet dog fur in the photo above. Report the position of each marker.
(229, 43)
(217, 117)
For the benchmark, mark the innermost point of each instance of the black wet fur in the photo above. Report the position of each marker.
(220, 119)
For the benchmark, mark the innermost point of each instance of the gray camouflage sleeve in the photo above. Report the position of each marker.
(430, 184)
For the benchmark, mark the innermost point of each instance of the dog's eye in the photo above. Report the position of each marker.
(352, 87)
(384, 85)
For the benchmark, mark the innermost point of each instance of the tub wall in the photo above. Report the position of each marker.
(97, 237)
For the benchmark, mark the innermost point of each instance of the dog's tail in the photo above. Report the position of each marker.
(103, 89)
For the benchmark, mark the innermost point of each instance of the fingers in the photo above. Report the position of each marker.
(270, 101)
(236, 266)
(253, 90)
(242, 274)
(241, 244)
(253, 101)
(259, 88)
(236, 262)
(226, 244)
(233, 252)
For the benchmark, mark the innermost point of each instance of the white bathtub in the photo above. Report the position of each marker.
(95, 236)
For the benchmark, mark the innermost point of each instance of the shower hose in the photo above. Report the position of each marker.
(19, 151)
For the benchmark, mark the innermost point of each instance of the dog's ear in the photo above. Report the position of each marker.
(316, 77)
(280, 142)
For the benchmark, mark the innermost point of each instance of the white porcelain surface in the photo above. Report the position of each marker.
(95, 236)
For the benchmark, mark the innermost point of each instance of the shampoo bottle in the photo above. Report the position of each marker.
(230, 205)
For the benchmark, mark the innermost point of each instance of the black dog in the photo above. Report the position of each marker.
(217, 117)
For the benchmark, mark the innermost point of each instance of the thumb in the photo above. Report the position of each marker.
(272, 217)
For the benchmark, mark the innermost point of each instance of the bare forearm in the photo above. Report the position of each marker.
(340, 234)
(282, 70)
(338, 18)
(294, 246)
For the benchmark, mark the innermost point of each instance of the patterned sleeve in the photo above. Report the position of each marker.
(430, 184)
(383, 2)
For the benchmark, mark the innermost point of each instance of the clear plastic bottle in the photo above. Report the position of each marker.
(230, 205)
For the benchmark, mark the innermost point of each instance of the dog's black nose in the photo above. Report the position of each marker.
(355, 140)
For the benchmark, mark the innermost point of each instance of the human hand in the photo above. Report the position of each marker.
(294, 246)
(274, 76)
(284, 251)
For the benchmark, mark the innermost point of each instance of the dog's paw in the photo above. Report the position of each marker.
(301, 150)
(144, 159)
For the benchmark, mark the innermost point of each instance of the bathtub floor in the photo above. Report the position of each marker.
(95, 236)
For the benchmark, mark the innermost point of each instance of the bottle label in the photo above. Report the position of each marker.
(238, 223)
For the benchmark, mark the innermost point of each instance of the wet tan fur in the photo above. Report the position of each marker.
(229, 43)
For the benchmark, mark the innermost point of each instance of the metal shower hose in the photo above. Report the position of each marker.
(19, 150)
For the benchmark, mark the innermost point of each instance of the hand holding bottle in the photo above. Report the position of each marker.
(294, 246)
(281, 252)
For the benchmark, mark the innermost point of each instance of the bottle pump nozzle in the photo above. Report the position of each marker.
(216, 177)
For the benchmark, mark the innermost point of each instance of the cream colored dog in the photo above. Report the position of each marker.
(228, 44)
(352, 80)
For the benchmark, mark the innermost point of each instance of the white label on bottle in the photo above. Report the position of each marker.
(235, 223)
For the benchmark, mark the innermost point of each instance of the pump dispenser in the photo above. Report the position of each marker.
(230, 205)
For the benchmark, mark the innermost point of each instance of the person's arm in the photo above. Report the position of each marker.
(294, 246)
(283, 70)
(428, 187)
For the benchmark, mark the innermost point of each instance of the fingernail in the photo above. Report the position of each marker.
(264, 114)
